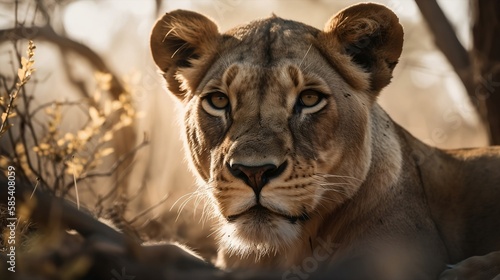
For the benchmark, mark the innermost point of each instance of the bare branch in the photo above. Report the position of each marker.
(149, 209)
(446, 40)
(121, 160)
(77, 83)
(46, 33)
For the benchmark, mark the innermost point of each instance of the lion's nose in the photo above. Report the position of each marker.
(256, 176)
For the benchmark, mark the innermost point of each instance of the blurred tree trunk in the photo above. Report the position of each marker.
(479, 69)
(486, 58)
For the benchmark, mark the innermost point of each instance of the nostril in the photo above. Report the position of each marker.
(256, 176)
(276, 171)
(248, 172)
(236, 170)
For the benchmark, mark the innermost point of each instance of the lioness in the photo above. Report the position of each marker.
(305, 170)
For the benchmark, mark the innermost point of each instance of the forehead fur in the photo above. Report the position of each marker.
(269, 42)
(265, 41)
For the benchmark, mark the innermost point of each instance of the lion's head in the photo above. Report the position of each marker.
(277, 114)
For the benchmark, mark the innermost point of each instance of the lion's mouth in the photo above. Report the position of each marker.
(261, 214)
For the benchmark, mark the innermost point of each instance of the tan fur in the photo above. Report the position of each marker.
(342, 171)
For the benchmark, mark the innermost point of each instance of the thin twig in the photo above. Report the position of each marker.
(5, 122)
(116, 185)
(149, 209)
(76, 189)
(51, 103)
(24, 142)
(43, 10)
(78, 84)
(123, 158)
(34, 189)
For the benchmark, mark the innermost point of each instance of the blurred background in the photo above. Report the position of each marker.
(94, 69)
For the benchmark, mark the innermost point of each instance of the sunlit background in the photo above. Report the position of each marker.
(425, 96)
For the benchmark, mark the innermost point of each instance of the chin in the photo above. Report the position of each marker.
(258, 232)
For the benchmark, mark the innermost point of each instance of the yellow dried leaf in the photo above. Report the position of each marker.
(20, 148)
(31, 48)
(122, 98)
(117, 126)
(60, 142)
(4, 162)
(107, 108)
(20, 74)
(74, 168)
(106, 152)
(125, 120)
(115, 105)
(44, 146)
(28, 75)
(84, 135)
(94, 114)
(49, 111)
(103, 80)
(107, 136)
(24, 61)
(97, 96)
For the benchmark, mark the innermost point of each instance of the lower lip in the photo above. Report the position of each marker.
(261, 210)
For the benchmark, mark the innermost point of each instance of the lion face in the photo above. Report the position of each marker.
(266, 143)
(277, 117)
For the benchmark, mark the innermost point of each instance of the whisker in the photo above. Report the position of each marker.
(307, 52)
(324, 176)
(181, 197)
(179, 49)
(334, 184)
(181, 207)
(197, 202)
(186, 198)
(206, 215)
(195, 192)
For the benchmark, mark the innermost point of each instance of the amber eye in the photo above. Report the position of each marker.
(218, 100)
(309, 98)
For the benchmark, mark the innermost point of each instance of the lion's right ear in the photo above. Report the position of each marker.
(181, 43)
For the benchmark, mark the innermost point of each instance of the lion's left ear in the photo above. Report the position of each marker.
(370, 34)
(182, 43)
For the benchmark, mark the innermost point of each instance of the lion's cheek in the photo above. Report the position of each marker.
(204, 135)
(198, 162)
